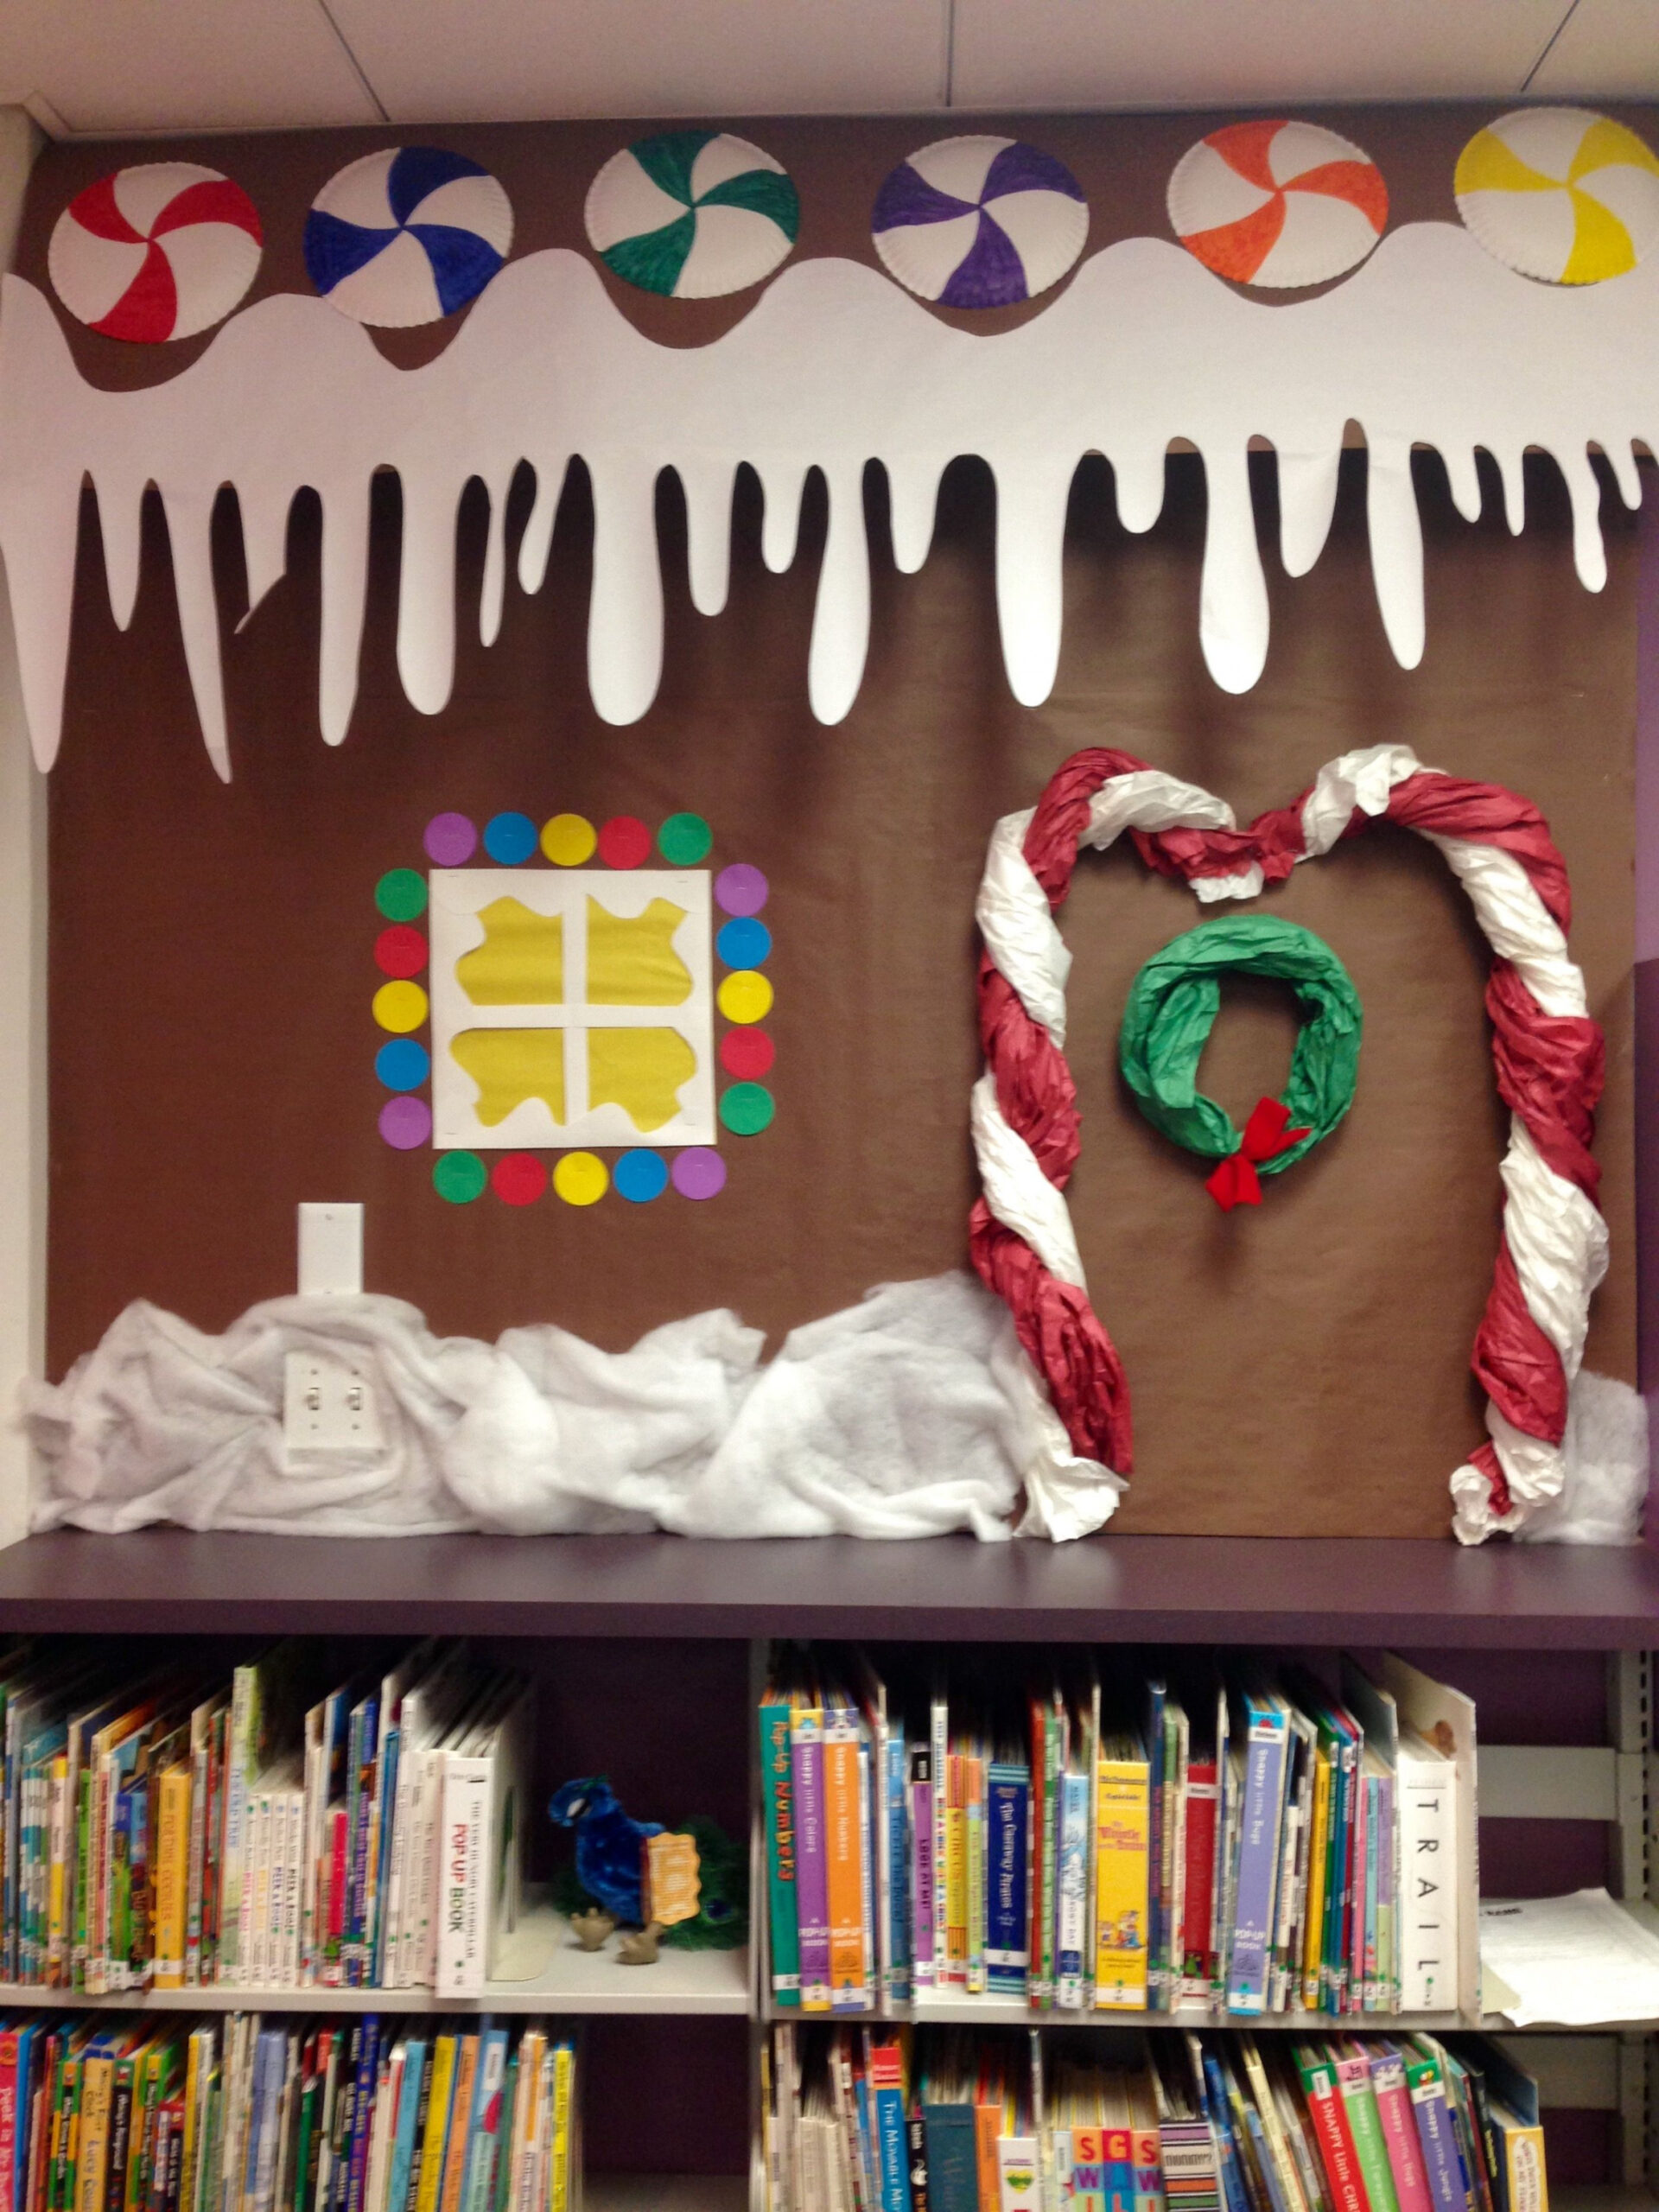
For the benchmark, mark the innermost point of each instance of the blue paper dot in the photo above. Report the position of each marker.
(510, 838)
(640, 1176)
(402, 1063)
(744, 943)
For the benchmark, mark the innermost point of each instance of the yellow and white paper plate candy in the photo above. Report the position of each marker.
(1560, 193)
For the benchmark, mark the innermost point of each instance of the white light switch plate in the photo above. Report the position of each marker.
(328, 1405)
(331, 1252)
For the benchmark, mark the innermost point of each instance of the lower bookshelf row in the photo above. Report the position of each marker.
(730, 2193)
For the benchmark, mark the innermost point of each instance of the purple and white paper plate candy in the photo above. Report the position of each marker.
(980, 222)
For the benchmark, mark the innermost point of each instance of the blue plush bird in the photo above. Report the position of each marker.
(608, 1854)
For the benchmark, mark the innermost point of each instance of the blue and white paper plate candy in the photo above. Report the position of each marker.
(407, 236)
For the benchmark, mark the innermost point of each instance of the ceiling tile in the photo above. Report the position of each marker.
(1151, 53)
(117, 66)
(1608, 50)
(497, 61)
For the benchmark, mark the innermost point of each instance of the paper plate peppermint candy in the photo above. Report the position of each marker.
(980, 222)
(160, 250)
(1561, 194)
(692, 214)
(1172, 1007)
(1278, 204)
(407, 236)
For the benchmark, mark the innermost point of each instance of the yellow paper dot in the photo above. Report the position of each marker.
(568, 840)
(400, 1007)
(580, 1178)
(745, 995)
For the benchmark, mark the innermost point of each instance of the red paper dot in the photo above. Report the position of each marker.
(400, 951)
(624, 842)
(518, 1178)
(746, 1053)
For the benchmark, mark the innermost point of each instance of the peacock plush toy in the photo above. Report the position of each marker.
(608, 1871)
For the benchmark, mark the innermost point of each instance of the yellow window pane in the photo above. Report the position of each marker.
(521, 961)
(633, 961)
(641, 1071)
(510, 1065)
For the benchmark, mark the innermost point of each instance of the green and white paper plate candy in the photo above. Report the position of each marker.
(692, 214)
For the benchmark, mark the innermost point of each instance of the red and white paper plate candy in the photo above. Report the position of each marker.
(160, 250)
(1278, 204)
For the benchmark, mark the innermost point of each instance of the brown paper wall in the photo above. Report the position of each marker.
(1299, 1369)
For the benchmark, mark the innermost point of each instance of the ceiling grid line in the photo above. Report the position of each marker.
(1549, 43)
(362, 74)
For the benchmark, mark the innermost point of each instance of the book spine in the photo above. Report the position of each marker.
(1120, 1886)
(1006, 1958)
(939, 1746)
(1399, 2128)
(172, 1877)
(897, 1865)
(1333, 2134)
(1428, 1902)
(955, 1870)
(1072, 1884)
(843, 1861)
(811, 1862)
(1359, 2101)
(1198, 1972)
(973, 1833)
(463, 1934)
(1441, 2164)
(1258, 1863)
(916, 2172)
(922, 1873)
(60, 1884)
(9, 2091)
(778, 1788)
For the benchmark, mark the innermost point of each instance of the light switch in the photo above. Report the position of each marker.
(331, 1252)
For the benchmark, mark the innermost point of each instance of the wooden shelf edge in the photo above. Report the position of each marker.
(1181, 1589)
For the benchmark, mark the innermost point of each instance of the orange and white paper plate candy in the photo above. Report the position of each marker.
(1278, 204)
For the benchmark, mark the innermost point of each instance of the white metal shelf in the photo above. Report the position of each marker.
(545, 1970)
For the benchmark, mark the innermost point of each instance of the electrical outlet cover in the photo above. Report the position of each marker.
(328, 1407)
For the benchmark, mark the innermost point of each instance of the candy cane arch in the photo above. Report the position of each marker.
(1548, 1054)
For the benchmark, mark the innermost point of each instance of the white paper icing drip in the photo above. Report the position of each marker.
(1431, 342)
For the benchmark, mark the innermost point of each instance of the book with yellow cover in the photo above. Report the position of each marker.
(844, 1856)
(1122, 1839)
(455, 2161)
(564, 2066)
(437, 2124)
(955, 1870)
(171, 1886)
(1318, 1832)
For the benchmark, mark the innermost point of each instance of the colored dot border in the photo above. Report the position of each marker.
(633, 1175)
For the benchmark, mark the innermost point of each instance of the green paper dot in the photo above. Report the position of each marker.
(684, 840)
(460, 1177)
(401, 894)
(747, 1108)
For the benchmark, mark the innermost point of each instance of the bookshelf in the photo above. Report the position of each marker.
(648, 1592)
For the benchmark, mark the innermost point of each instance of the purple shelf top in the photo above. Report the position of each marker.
(1176, 1589)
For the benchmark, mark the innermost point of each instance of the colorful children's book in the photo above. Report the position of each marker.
(1120, 1874)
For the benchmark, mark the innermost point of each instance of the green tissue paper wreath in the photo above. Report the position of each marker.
(1172, 1007)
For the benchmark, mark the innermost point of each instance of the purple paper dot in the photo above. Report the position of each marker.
(405, 1122)
(739, 889)
(699, 1172)
(450, 840)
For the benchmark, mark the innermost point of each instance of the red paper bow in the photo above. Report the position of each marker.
(1235, 1182)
